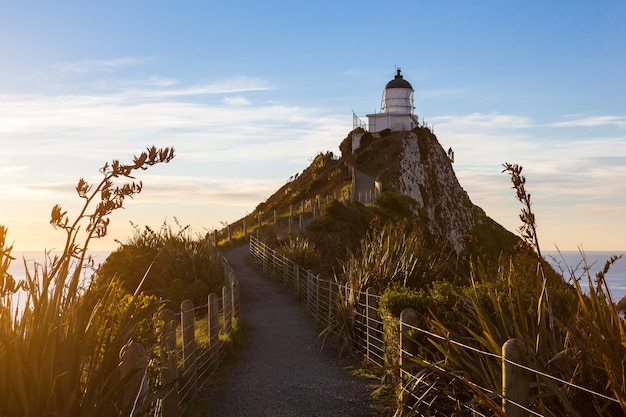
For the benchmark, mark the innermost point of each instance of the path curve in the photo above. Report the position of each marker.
(282, 370)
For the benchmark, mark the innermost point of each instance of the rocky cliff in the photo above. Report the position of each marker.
(414, 164)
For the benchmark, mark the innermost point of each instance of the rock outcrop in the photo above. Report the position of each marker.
(426, 175)
(414, 164)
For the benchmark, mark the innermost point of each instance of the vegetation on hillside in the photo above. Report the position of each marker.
(500, 288)
(175, 265)
(59, 352)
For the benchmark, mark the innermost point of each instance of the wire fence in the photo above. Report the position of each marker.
(364, 191)
(192, 348)
(341, 309)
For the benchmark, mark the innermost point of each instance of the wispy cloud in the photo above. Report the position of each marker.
(594, 121)
(226, 86)
(161, 81)
(484, 121)
(232, 152)
(237, 101)
(99, 65)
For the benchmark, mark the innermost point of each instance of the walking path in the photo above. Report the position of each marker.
(282, 370)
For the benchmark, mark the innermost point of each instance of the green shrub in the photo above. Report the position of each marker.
(181, 266)
(301, 251)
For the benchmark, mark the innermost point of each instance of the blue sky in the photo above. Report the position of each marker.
(249, 92)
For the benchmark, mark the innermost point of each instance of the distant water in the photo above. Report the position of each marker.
(17, 266)
(16, 269)
(616, 277)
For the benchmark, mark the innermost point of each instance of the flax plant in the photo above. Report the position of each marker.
(396, 254)
(301, 251)
(576, 341)
(59, 354)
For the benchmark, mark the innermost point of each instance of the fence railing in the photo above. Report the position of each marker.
(325, 299)
(297, 215)
(185, 364)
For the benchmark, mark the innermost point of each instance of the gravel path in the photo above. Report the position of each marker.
(282, 370)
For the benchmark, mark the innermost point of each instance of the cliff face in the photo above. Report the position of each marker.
(414, 163)
(426, 174)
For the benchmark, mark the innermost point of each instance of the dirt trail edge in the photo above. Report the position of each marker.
(282, 370)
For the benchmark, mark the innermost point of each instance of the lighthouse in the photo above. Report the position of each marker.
(396, 107)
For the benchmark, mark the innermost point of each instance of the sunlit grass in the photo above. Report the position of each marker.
(59, 355)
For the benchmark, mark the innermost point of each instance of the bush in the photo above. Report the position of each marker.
(301, 251)
(180, 266)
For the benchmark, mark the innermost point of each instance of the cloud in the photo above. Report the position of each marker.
(99, 65)
(484, 121)
(237, 101)
(96, 126)
(226, 86)
(160, 81)
(595, 121)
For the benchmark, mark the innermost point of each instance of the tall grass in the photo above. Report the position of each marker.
(300, 250)
(59, 355)
(574, 336)
(183, 265)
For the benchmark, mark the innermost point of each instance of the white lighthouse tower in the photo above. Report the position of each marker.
(396, 107)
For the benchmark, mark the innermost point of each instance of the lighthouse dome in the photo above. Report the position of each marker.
(398, 82)
(397, 96)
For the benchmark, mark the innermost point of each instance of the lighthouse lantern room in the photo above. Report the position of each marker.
(396, 107)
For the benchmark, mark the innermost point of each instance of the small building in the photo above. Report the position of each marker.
(396, 107)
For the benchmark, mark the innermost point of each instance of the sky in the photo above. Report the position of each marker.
(248, 93)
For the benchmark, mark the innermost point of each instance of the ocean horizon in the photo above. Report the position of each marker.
(565, 261)
(562, 261)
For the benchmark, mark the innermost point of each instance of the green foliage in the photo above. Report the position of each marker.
(301, 251)
(181, 266)
(579, 338)
(399, 254)
(59, 354)
(340, 228)
(397, 205)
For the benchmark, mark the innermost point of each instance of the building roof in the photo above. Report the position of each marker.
(398, 82)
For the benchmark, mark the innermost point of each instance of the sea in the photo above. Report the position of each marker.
(35, 260)
(561, 261)
(577, 262)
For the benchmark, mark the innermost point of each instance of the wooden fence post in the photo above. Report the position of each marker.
(309, 293)
(296, 281)
(169, 363)
(371, 313)
(228, 308)
(235, 296)
(214, 330)
(330, 303)
(515, 380)
(134, 361)
(190, 369)
(408, 320)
